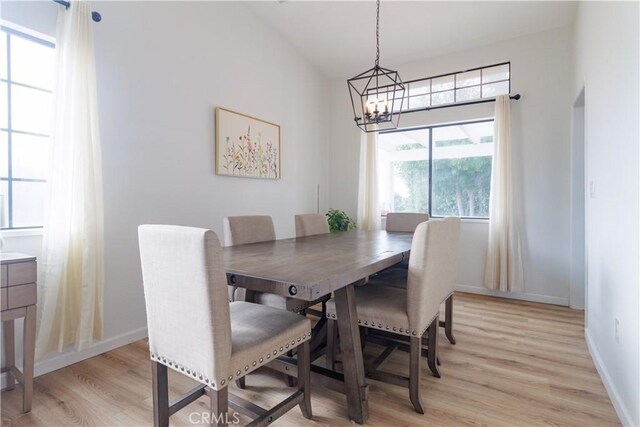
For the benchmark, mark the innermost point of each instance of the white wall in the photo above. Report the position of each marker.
(541, 73)
(162, 68)
(607, 65)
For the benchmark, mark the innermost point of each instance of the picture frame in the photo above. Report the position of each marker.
(246, 147)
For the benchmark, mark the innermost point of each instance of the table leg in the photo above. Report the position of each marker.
(352, 362)
(8, 335)
(28, 357)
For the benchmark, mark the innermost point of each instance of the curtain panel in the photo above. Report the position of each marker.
(503, 269)
(71, 265)
(368, 208)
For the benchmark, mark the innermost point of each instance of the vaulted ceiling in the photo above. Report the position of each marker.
(339, 36)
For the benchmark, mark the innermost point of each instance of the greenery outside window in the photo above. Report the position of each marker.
(441, 170)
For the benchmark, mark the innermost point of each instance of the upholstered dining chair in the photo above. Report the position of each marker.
(197, 332)
(405, 221)
(414, 310)
(311, 224)
(242, 230)
(396, 275)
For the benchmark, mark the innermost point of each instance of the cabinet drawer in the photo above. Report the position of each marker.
(21, 273)
(3, 276)
(3, 299)
(22, 295)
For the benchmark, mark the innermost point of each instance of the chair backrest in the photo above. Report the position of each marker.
(311, 224)
(185, 292)
(241, 230)
(407, 222)
(432, 269)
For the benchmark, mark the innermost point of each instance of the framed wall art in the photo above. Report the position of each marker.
(246, 146)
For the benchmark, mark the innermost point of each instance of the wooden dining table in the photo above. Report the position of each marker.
(308, 268)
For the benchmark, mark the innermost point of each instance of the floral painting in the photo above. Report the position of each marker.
(246, 146)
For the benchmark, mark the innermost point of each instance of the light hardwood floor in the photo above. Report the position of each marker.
(514, 364)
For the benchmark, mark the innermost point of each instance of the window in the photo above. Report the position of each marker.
(26, 83)
(457, 88)
(442, 170)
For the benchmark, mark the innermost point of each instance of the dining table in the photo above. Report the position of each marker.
(312, 267)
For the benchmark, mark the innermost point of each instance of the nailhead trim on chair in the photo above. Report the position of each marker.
(380, 326)
(239, 374)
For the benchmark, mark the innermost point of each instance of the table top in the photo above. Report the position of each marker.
(11, 257)
(309, 267)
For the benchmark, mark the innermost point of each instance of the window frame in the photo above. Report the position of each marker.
(13, 30)
(407, 95)
(430, 161)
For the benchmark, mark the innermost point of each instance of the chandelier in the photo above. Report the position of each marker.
(376, 94)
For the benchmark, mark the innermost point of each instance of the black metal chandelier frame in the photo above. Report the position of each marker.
(376, 94)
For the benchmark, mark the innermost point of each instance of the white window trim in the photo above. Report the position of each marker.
(21, 232)
(27, 31)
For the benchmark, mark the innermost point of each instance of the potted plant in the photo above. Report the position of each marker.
(339, 221)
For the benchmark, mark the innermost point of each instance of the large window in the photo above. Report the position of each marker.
(26, 83)
(441, 170)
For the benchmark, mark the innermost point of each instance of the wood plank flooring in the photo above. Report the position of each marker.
(515, 364)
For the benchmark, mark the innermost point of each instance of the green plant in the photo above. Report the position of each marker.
(339, 220)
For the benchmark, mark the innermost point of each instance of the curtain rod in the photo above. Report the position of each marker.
(95, 15)
(460, 104)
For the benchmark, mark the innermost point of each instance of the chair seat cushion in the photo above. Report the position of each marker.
(380, 307)
(395, 277)
(259, 334)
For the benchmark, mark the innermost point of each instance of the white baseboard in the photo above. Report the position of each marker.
(61, 360)
(546, 299)
(618, 404)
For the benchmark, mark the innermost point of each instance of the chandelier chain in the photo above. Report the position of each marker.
(377, 32)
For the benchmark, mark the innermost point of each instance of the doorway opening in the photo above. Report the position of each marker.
(578, 270)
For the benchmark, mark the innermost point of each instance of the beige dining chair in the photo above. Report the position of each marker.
(243, 230)
(396, 275)
(412, 311)
(195, 331)
(405, 221)
(311, 225)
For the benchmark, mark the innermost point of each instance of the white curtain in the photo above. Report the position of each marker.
(368, 209)
(71, 266)
(503, 268)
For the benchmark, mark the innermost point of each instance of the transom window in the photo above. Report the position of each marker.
(441, 170)
(26, 84)
(457, 88)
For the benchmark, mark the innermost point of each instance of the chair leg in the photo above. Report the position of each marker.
(330, 354)
(415, 354)
(448, 319)
(432, 351)
(304, 379)
(364, 333)
(290, 381)
(160, 394)
(241, 383)
(219, 401)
